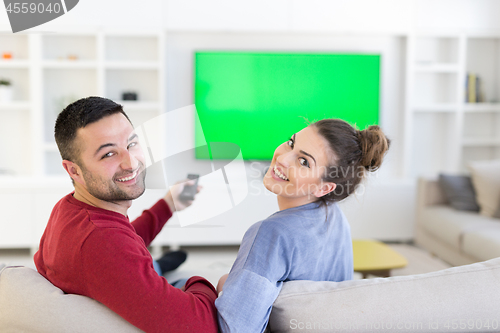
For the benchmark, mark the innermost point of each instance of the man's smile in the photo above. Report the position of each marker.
(128, 178)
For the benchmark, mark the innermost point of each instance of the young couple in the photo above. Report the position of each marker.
(90, 248)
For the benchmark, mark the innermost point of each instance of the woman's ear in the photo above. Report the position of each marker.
(324, 189)
(73, 171)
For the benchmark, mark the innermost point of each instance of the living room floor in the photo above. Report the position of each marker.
(212, 262)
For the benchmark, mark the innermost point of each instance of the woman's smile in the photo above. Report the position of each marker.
(278, 175)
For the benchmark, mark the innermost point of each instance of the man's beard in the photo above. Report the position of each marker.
(108, 190)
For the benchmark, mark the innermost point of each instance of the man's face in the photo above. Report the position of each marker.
(111, 159)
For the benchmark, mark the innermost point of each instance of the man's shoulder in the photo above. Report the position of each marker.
(70, 208)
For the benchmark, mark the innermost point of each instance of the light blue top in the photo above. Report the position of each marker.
(309, 242)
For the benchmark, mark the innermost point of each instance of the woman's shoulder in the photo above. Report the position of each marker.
(284, 223)
(296, 222)
(273, 227)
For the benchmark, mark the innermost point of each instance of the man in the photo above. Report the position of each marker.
(90, 248)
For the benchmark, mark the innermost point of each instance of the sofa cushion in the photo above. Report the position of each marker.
(30, 303)
(459, 192)
(430, 302)
(449, 225)
(486, 179)
(482, 244)
(497, 214)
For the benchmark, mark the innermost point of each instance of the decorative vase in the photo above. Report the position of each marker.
(5, 93)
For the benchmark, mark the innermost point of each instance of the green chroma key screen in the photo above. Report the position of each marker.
(258, 100)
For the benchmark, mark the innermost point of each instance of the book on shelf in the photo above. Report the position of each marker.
(473, 89)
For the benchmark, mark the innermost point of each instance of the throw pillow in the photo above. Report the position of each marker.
(486, 180)
(459, 192)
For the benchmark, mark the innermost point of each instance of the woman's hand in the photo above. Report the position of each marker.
(220, 285)
(172, 197)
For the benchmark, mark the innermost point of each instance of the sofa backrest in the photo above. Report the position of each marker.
(30, 303)
(458, 299)
(447, 300)
(430, 193)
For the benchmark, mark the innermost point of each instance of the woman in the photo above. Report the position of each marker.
(309, 237)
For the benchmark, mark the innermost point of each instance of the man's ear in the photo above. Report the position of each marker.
(73, 171)
(324, 189)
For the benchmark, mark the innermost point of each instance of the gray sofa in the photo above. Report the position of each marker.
(458, 237)
(459, 299)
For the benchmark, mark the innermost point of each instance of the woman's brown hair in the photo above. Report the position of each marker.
(353, 153)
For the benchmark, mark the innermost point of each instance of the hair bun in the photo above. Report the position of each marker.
(374, 145)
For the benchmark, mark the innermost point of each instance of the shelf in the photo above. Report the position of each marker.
(437, 67)
(143, 82)
(467, 107)
(130, 48)
(437, 108)
(138, 105)
(435, 88)
(482, 60)
(437, 49)
(82, 46)
(132, 65)
(77, 64)
(430, 152)
(481, 107)
(14, 64)
(481, 142)
(16, 45)
(15, 105)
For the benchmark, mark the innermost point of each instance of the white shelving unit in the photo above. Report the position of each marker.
(16, 114)
(481, 131)
(50, 71)
(457, 132)
(134, 63)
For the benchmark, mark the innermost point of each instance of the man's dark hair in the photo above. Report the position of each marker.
(77, 115)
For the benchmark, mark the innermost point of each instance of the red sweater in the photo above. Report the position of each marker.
(99, 254)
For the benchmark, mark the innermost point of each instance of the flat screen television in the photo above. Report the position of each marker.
(257, 100)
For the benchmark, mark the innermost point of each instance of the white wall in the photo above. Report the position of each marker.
(367, 16)
(289, 15)
(457, 15)
(105, 13)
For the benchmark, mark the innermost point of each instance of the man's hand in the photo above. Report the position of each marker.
(222, 280)
(172, 197)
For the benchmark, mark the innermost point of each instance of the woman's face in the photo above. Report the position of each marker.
(297, 169)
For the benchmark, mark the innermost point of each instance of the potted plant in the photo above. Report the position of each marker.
(5, 90)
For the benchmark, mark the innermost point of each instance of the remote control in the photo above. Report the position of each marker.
(189, 191)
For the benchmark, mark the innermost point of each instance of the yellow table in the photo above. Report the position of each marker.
(376, 258)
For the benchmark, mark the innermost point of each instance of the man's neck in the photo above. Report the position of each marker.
(122, 206)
